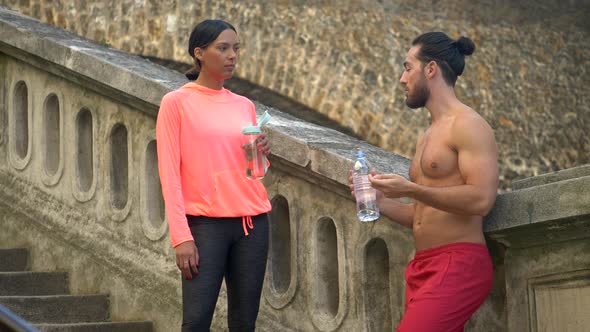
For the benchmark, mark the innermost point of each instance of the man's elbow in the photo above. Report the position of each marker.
(485, 205)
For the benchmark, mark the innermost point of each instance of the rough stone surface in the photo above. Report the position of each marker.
(14, 260)
(151, 82)
(555, 266)
(561, 200)
(59, 308)
(33, 283)
(96, 327)
(528, 76)
(335, 262)
(566, 174)
(543, 230)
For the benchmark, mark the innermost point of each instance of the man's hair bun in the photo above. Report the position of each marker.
(465, 45)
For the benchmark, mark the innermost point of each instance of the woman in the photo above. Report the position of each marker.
(217, 217)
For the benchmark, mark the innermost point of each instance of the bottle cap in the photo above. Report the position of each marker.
(360, 153)
(264, 119)
(251, 129)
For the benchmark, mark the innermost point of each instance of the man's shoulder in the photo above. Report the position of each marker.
(470, 128)
(467, 118)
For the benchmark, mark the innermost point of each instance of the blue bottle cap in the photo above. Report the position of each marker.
(251, 130)
(264, 119)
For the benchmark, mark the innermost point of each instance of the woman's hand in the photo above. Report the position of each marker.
(187, 257)
(263, 144)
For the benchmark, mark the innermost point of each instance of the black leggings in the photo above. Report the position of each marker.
(224, 251)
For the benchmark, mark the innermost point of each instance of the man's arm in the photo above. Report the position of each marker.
(401, 213)
(477, 160)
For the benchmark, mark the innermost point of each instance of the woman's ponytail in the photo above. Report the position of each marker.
(193, 73)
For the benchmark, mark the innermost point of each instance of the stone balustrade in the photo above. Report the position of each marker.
(343, 59)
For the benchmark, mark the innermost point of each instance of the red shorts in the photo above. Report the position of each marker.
(445, 286)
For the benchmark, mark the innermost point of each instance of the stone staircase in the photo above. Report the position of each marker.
(42, 299)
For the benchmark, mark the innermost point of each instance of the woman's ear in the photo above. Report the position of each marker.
(198, 52)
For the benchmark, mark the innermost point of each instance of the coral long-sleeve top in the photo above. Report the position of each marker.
(200, 158)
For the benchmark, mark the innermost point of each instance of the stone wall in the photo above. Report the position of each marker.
(77, 186)
(72, 153)
(543, 230)
(528, 77)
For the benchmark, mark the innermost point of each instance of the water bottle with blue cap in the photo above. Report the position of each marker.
(256, 164)
(366, 196)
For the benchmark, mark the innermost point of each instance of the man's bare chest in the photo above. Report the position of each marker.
(435, 159)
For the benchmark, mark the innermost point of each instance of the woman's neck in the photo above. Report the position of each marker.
(209, 82)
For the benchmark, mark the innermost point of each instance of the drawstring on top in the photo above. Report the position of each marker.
(247, 220)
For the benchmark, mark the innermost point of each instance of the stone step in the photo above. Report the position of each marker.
(14, 259)
(59, 308)
(141, 326)
(33, 283)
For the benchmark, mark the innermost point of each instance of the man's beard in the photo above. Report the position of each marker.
(419, 97)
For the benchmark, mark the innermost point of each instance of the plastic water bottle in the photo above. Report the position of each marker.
(366, 196)
(256, 166)
(255, 161)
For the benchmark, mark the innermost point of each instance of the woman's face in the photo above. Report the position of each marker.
(219, 59)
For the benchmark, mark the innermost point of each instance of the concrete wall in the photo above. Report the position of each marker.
(544, 228)
(79, 187)
(528, 76)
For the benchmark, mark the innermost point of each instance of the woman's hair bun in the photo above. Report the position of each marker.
(465, 45)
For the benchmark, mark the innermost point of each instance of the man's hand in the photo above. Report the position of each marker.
(391, 185)
(372, 172)
(403, 214)
(187, 257)
(263, 144)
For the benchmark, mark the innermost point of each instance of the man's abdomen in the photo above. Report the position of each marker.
(434, 228)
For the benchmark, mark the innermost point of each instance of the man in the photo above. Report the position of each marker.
(454, 178)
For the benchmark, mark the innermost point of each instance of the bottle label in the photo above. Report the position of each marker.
(361, 182)
(362, 188)
(358, 165)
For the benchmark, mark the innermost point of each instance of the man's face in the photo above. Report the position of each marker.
(417, 91)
